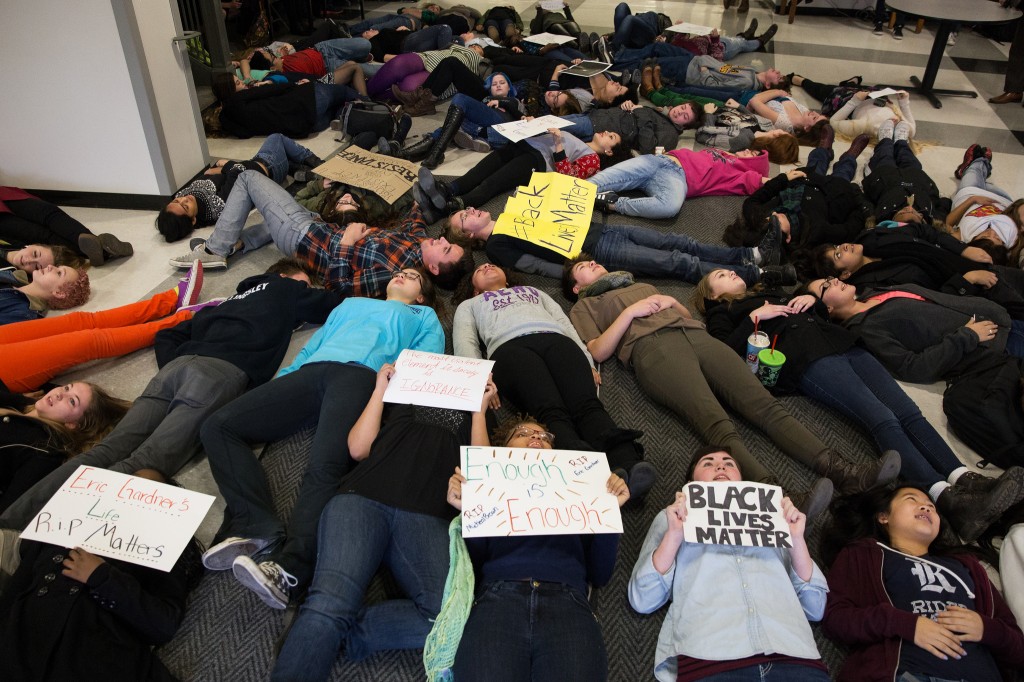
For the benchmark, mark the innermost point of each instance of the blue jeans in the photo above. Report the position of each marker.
(530, 630)
(278, 153)
(633, 30)
(340, 50)
(478, 116)
(857, 385)
(1015, 341)
(644, 251)
(734, 46)
(327, 395)
(660, 177)
(428, 38)
(977, 175)
(582, 127)
(772, 672)
(285, 222)
(381, 23)
(356, 536)
(329, 99)
(819, 158)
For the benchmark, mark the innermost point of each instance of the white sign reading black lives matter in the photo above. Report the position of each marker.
(741, 513)
(120, 516)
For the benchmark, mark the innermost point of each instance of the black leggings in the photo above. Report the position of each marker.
(819, 91)
(500, 171)
(453, 72)
(34, 221)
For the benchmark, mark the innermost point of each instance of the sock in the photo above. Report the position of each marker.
(757, 255)
(956, 473)
(937, 489)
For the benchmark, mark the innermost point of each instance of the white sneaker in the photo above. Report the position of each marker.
(223, 554)
(210, 261)
(268, 580)
(951, 40)
(902, 131)
(885, 130)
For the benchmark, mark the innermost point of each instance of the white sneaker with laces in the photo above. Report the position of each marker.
(221, 556)
(210, 261)
(270, 582)
(902, 131)
(951, 40)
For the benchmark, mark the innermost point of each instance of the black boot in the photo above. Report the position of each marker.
(972, 505)
(431, 213)
(452, 121)
(815, 500)
(850, 478)
(773, 276)
(413, 152)
(749, 33)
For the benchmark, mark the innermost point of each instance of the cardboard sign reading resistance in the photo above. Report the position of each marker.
(387, 177)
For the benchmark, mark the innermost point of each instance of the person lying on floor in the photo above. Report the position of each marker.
(733, 127)
(982, 211)
(22, 261)
(641, 128)
(294, 110)
(50, 288)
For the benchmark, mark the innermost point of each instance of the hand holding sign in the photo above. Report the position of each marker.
(436, 380)
(80, 564)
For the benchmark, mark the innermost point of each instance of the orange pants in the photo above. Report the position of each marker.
(33, 352)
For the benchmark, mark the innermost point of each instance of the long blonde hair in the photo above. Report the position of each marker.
(702, 292)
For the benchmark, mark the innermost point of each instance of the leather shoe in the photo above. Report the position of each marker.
(1007, 98)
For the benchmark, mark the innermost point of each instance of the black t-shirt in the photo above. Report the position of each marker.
(926, 586)
(411, 460)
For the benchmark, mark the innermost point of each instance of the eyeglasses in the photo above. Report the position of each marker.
(829, 281)
(414, 276)
(527, 432)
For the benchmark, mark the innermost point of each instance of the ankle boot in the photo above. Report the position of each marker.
(828, 137)
(973, 505)
(657, 76)
(749, 33)
(858, 145)
(850, 478)
(815, 500)
(646, 81)
(417, 150)
(452, 121)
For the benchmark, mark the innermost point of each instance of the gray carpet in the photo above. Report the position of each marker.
(228, 634)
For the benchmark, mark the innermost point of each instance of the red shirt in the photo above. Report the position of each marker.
(304, 61)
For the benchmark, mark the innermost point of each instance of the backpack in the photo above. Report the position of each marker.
(378, 118)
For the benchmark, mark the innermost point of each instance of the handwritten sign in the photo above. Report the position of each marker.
(438, 380)
(122, 517)
(519, 491)
(884, 92)
(554, 211)
(385, 176)
(548, 38)
(522, 129)
(692, 29)
(743, 513)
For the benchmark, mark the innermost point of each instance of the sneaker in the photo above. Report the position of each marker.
(210, 261)
(972, 153)
(190, 285)
(971, 511)
(951, 40)
(897, 32)
(770, 246)
(902, 131)
(604, 201)
(602, 51)
(196, 242)
(879, 28)
(464, 140)
(429, 186)
(885, 130)
(213, 302)
(642, 478)
(270, 582)
(221, 556)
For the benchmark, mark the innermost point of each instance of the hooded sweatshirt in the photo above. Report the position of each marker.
(710, 172)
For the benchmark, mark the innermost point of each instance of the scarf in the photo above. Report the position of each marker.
(613, 280)
(790, 201)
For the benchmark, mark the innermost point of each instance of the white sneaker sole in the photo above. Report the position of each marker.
(221, 556)
(248, 573)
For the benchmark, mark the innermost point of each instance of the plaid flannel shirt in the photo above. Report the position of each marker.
(365, 268)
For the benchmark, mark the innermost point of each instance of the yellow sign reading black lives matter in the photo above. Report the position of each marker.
(553, 211)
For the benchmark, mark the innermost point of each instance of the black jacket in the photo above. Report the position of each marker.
(252, 329)
(642, 129)
(27, 451)
(889, 187)
(275, 108)
(804, 338)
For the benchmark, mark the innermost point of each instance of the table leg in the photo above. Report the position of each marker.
(924, 85)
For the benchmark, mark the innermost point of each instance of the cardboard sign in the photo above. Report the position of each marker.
(548, 38)
(741, 513)
(522, 129)
(586, 69)
(120, 516)
(554, 211)
(519, 491)
(385, 176)
(436, 380)
(692, 29)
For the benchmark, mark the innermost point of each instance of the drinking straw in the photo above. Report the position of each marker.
(773, 345)
(756, 320)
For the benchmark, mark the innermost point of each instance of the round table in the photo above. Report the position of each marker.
(948, 13)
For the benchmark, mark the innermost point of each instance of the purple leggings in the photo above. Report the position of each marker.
(405, 69)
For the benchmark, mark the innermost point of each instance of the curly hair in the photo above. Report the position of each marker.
(503, 431)
(71, 294)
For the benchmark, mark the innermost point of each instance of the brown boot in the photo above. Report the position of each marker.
(492, 33)
(850, 478)
(657, 77)
(646, 81)
(858, 145)
(419, 102)
(972, 505)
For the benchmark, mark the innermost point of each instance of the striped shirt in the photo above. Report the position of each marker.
(465, 55)
(365, 268)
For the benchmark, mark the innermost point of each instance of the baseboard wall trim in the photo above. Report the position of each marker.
(132, 202)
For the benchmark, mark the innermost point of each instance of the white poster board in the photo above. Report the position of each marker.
(884, 92)
(520, 491)
(436, 380)
(120, 516)
(735, 513)
(692, 29)
(520, 130)
(548, 38)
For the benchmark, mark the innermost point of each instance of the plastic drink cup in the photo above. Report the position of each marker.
(755, 342)
(658, 151)
(769, 365)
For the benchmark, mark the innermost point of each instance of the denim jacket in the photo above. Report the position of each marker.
(727, 602)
